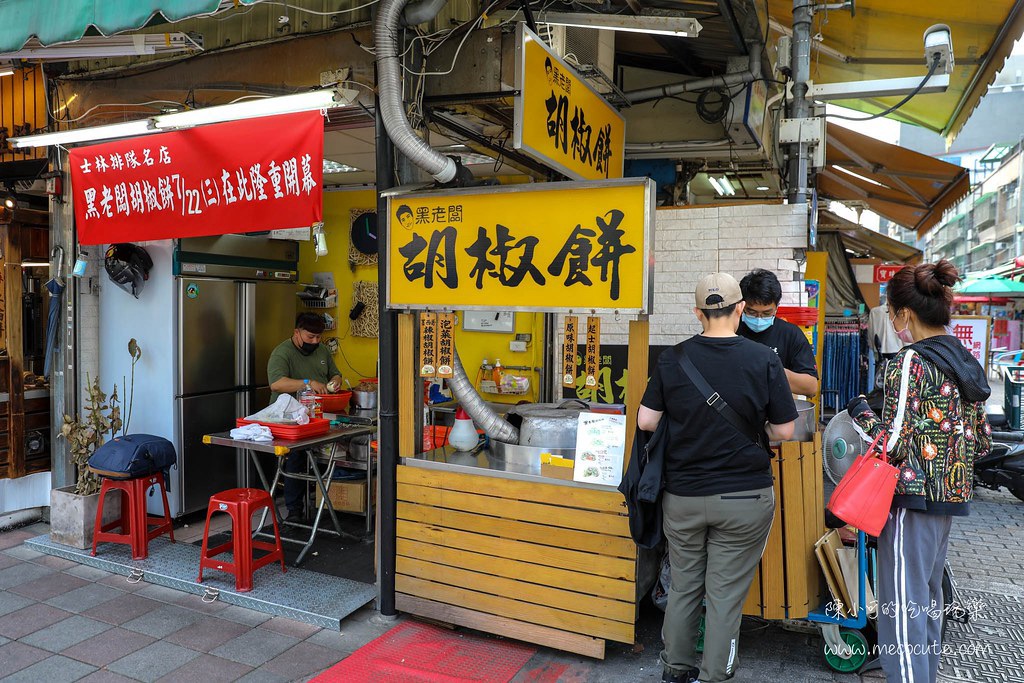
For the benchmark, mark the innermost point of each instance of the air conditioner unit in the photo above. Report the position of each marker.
(583, 47)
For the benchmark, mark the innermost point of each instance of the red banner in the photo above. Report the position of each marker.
(884, 272)
(241, 176)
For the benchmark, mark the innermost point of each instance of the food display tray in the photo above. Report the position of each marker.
(314, 427)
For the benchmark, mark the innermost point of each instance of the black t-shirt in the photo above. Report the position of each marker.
(787, 340)
(707, 455)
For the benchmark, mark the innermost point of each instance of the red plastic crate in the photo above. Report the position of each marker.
(314, 427)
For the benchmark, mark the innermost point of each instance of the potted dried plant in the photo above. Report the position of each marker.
(73, 508)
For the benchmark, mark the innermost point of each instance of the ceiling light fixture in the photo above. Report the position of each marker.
(335, 167)
(92, 47)
(762, 188)
(654, 22)
(717, 185)
(727, 186)
(6, 68)
(286, 104)
(67, 137)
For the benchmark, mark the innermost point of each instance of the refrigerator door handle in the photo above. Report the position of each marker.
(246, 342)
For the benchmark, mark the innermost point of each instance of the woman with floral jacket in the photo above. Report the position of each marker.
(934, 419)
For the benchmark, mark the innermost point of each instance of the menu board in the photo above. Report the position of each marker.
(600, 448)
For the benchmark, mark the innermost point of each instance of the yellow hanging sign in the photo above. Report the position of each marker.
(428, 344)
(538, 247)
(569, 351)
(560, 120)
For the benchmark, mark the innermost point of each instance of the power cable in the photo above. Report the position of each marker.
(931, 72)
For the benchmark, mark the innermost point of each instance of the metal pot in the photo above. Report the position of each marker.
(805, 425)
(548, 425)
(365, 399)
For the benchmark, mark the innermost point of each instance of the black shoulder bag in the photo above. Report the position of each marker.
(713, 399)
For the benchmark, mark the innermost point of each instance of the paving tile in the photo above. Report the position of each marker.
(22, 572)
(86, 597)
(104, 676)
(23, 552)
(48, 586)
(243, 615)
(207, 634)
(108, 646)
(162, 621)
(4, 641)
(7, 561)
(124, 607)
(16, 656)
(39, 528)
(263, 676)
(10, 539)
(30, 619)
(338, 642)
(303, 660)
(56, 563)
(255, 647)
(290, 627)
(9, 602)
(122, 583)
(161, 593)
(207, 669)
(53, 669)
(64, 634)
(84, 571)
(153, 661)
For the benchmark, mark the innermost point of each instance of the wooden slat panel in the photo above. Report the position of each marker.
(773, 583)
(510, 628)
(752, 605)
(513, 609)
(570, 601)
(794, 538)
(500, 566)
(408, 403)
(637, 365)
(515, 509)
(521, 531)
(815, 516)
(552, 494)
(588, 563)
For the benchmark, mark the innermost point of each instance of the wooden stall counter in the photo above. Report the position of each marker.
(498, 547)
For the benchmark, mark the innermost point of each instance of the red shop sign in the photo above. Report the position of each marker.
(884, 273)
(241, 176)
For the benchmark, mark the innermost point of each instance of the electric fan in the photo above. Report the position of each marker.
(841, 444)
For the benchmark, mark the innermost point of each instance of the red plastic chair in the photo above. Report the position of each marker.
(135, 523)
(240, 504)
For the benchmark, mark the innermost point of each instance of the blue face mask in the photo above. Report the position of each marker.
(758, 324)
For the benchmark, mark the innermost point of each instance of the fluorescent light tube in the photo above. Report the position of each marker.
(107, 46)
(6, 68)
(715, 184)
(66, 137)
(727, 186)
(286, 104)
(662, 24)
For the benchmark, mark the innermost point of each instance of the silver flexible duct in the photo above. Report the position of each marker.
(486, 419)
(753, 73)
(420, 12)
(389, 94)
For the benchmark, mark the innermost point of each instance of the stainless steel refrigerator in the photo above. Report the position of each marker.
(235, 301)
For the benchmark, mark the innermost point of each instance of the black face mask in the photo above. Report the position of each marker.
(308, 348)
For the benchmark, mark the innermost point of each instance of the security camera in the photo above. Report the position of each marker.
(938, 43)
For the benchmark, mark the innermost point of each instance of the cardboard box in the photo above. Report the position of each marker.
(346, 496)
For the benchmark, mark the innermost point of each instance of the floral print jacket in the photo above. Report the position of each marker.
(939, 440)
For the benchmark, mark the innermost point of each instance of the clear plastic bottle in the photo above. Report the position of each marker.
(307, 397)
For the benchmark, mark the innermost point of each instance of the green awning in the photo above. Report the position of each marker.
(62, 21)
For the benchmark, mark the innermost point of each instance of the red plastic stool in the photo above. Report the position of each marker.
(240, 504)
(134, 522)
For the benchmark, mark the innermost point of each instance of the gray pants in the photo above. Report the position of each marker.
(714, 545)
(911, 557)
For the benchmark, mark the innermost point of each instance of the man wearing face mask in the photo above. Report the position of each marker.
(294, 360)
(762, 293)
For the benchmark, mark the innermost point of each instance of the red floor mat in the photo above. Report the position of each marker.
(418, 653)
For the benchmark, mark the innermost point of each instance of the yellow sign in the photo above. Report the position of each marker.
(560, 120)
(540, 247)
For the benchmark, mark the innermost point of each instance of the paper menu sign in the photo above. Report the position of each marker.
(600, 448)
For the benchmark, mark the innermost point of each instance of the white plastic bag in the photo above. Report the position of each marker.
(285, 410)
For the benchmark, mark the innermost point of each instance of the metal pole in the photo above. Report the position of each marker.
(387, 462)
(800, 107)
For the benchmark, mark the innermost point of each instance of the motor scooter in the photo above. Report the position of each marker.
(1003, 467)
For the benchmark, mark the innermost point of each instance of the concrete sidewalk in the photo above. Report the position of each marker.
(61, 621)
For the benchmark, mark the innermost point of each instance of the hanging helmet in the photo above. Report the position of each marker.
(128, 266)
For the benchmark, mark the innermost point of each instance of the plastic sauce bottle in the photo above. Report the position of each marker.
(484, 372)
(497, 373)
(307, 397)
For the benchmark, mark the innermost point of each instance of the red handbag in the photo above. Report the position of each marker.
(864, 494)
